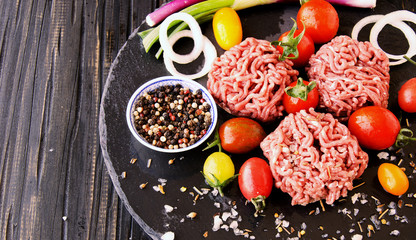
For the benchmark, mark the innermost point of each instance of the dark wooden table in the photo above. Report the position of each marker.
(54, 60)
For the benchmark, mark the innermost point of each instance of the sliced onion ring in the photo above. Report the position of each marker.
(210, 54)
(362, 23)
(396, 18)
(196, 36)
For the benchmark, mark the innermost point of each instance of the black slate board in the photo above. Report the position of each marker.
(133, 67)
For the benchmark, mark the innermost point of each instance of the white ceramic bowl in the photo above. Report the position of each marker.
(171, 80)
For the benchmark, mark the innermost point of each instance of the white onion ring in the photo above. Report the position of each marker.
(196, 36)
(210, 54)
(393, 18)
(362, 23)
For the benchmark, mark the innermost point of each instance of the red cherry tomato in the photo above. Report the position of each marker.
(407, 96)
(320, 19)
(375, 127)
(241, 135)
(293, 103)
(306, 48)
(393, 179)
(256, 182)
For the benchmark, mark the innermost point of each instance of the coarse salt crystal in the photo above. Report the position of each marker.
(355, 197)
(392, 205)
(374, 219)
(234, 224)
(217, 204)
(168, 208)
(205, 190)
(404, 220)
(234, 213)
(217, 223)
(383, 155)
(357, 237)
(238, 232)
(317, 211)
(285, 223)
(162, 181)
(225, 216)
(395, 233)
(168, 236)
(225, 227)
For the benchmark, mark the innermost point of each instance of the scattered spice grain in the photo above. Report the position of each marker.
(322, 205)
(400, 162)
(382, 214)
(133, 160)
(359, 225)
(143, 185)
(149, 162)
(400, 203)
(359, 185)
(162, 191)
(191, 215)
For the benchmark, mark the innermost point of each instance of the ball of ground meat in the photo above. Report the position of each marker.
(249, 80)
(349, 75)
(313, 157)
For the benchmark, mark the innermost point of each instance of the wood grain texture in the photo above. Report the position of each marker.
(54, 60)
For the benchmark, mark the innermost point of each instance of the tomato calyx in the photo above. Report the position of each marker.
(259, 203)
(300, 90)
(217, 184)
(404, 137)
(303, 2)
(289, 44)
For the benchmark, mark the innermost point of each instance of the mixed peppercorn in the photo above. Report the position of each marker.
(172, 116)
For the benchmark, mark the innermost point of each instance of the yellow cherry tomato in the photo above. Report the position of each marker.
(220, 165)
(393, 179)
(227, 28)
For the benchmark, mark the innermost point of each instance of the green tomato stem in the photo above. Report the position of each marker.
(403, 139)
(259, 203)
(215, 142)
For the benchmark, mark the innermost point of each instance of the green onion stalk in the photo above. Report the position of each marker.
(205, 10)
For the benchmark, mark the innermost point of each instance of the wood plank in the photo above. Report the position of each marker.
(53, 64)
